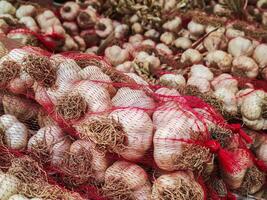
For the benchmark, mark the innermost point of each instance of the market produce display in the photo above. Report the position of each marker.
(133, 100)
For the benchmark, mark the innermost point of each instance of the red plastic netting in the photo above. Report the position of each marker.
(91, 115)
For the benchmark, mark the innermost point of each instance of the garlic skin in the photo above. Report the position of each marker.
(18, 197)
(7, 8)
(233, 33)
(125, 67)
(25, 11)
(71, 28)
(9, 186)
(15, 133)
(99, 162)
(80, 41)
(191, 56)
(132, 176)
(136, 39)
(29, 23)
(69, 11)
(121, 31)
(240, 46)
(92, 50)
(262, 152)
(173, 24)
(259, 55)
(148, 42)
(183, 43)
(167, 38)
(115, 55)
(215, 41)
(172, 80)
(87, 18)
(144, 57)
(106, 29)
(195, 28)
(152, 33)
(47, 19)
(164, 48)
(174, 182)
(58, 29)
(70, 44)
(137, 27)
(219, 59)
(251, 109)
(245, 66)
(225, 88)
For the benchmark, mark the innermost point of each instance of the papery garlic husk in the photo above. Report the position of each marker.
(219, 59)
(15, 134)
(115, 55)
(195, 28)
(25, 10)
(93, 73)
(178, 185)
(44, 119)
(86, 96)
(83, 163)
(125, 180)
(233, 33)
(116, 132)
(127, 97)
(22, 108)
(69, 11)
(240, 46)
(9, 186)
(202, 84)
(215, 41)
(259, 55)
(191, 56)
(172, 80)
(245, 66)
(18, 197)
(225, 81)
(171, 154)
(43, 147)
(253, 109)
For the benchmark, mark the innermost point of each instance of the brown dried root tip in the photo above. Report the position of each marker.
(193, 157)
(43, 190)
(253, 181)
(115, 188)
(221, 135)
(106, 134)
(181, 190)
(8, 71)
(41, 69)
(5, 158)
(26, 169)
(77, 168)
(219, 186)
(71, 107)
(41, 152)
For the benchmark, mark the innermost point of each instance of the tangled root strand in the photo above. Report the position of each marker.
(71, 107)
(193, 157)
(26, 169)
(41, 69)
(221, 135)
(106, 134)
(8, 71)
(77, 167)
(115, 188)
(253, 178)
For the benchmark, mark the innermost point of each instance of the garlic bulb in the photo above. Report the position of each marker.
(69, 11)
(70, 44)
(253, 110)
(245, 66)
(124, 179)
(164, 48)
(215, 41)
(172, 80)
(167, 38)
(47, 19)
(152, 34)
(145, 58)
(191, 56)
(262, 152)
(219, 59)
(233, 33)
(87, 18)
(15, 133)
(70, 27)
(29, 23)
(9, 186)
(136, 39)
(183, 43)
(85, 149)
(240, 46)
(195, 28)
(104, 27)
(173, 24)
(115, 55)
(50, 142)
(25, 11)
(178, 185)
(137, 27)
(7, 8)
(125, 67)
(171, 154)
(259, 55)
